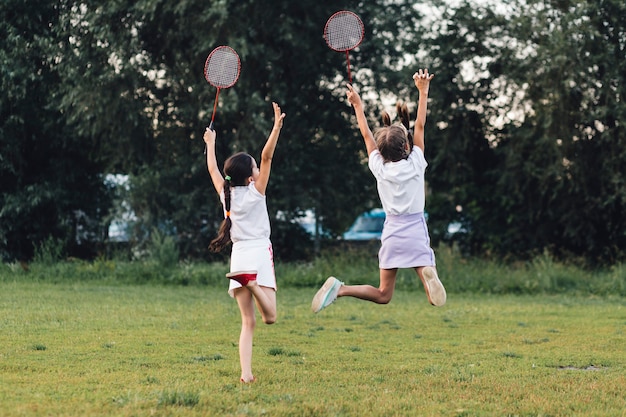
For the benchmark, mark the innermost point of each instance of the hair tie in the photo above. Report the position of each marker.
(227, 178)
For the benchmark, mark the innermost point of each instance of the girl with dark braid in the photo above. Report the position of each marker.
(246, 224)
(396, 158)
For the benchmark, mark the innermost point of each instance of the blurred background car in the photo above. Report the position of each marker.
(367, 226)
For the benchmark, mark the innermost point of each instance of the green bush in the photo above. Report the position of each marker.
(162, 249)
(351, 264)
(49, 251)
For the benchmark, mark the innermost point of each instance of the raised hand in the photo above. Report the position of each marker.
(422, 80)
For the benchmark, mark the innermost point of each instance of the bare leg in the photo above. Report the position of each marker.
(248, 322)
(265, 300)
(265, 297)
(380, 295)
(435, 291)
(420, 273)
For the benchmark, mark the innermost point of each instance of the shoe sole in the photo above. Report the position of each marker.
(322, 294)
(242, 277)
(435, 291)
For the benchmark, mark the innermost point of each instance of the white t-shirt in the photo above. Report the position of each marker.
(248, 213)
(400, 184)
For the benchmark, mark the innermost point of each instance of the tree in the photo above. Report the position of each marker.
(545, 95)
(158, 68)
(461, 44)
(125, 82)
(564, 160)
(524, 135)
(51, 182)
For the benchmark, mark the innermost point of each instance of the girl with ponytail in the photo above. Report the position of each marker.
(246, 224)
(396, 159)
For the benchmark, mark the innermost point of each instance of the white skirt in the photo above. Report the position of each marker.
(253, 255)
(405, 242)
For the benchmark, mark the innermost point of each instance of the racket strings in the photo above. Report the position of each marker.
(344, 31)
(222, 68)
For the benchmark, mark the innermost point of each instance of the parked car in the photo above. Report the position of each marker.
(368, 226)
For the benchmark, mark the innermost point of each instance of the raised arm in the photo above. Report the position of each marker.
(211, 160)
(268, 151)
(422, 82)
(355, 100)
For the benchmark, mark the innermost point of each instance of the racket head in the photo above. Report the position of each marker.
(222, 67)
(344, 31)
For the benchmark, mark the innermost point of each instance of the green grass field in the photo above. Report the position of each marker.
(89, 349)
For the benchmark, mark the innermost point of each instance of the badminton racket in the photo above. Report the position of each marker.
(343, 32)
(221, 70)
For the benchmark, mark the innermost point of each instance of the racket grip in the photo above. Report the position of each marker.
(210, 127)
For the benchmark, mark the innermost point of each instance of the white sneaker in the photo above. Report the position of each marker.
(435, 291)
(326, 295)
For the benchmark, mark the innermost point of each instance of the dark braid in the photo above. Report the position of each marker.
(223, 235)
(238, 168)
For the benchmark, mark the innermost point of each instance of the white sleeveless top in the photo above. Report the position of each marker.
(248, 213)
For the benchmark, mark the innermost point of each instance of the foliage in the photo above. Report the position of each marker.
(49, 252)
(354, 265)
(51, 178)
(163, 250)
(524, 136)
(528, 145)
(563, 162)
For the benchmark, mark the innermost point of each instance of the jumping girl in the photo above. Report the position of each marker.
(396, 158)
(246, 224)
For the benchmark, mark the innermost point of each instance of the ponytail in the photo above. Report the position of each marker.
(386, 119)
(395, 141)
(403, 114)
(223, 235)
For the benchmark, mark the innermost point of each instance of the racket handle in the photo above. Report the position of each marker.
(210, 127)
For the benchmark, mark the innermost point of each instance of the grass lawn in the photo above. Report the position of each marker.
(87, 349)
